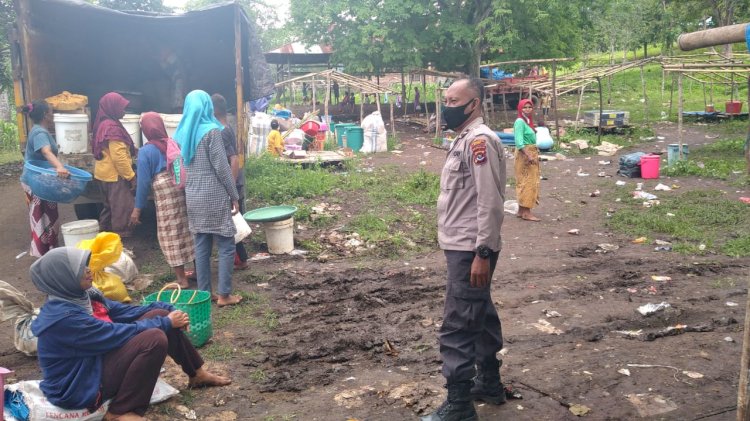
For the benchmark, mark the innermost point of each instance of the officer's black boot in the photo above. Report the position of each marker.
(458, 406)
(487, 386)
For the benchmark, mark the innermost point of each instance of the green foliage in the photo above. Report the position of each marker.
(700, 217)
(723, 159)
(273, 182)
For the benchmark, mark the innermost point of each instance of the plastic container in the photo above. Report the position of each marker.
(197, 304)
(650, 166)
(543, 139)
(77, 231)
(310, 125)
(282, 113)
(132, 123)
(171, 121)
(341, 131)
(355, 138)
(673, 153)
(280, 236)
(734, 107)
(44, 182)
(72, 133)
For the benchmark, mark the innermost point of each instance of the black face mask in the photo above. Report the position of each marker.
(454, 116)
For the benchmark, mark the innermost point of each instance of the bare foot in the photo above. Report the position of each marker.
(204, 378)
(228, 300)
(130, 416)
(214, 297)
(530, 217)
(183, 283)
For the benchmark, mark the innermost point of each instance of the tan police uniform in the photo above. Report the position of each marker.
(470, 214)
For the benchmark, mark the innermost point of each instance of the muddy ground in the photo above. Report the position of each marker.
(357, 338)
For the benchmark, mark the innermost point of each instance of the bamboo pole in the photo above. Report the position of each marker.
(717, 36)
(241, 132)
(424, 94)
(313, 96)
(545, 60)
(437, 115)
(580, 103)
(325, 105)
(662, 84)
(554, 100)
(505, 110)
(361, 105)
(679, 112)
(742, 404)
(393, 120)
(645, 99)
(601, 109)
(671, 96)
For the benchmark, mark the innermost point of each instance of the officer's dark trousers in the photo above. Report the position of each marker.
(471, 328)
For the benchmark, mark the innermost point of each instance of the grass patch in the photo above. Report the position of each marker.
(254, 311)
(723, 159)
(9, 157)
(216, 351)
(700, 217)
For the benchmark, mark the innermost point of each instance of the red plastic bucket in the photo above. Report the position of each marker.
(650, 166)
(310, 126)
(734, 107)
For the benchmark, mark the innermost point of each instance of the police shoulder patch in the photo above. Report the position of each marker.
(479, 151)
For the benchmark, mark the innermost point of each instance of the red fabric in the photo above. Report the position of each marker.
(100, 312)
(154, 130)
(43, 218)
(107, 124)
(528, 119)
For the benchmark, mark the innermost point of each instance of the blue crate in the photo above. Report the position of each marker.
(41, 177)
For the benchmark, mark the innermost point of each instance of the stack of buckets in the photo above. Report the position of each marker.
(350, 135)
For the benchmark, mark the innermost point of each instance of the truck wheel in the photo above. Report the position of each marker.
(87, 210)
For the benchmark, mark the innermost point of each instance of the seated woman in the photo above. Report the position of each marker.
(92, 349)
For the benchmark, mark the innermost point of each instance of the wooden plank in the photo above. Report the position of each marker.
(238, 74)
(533, 61)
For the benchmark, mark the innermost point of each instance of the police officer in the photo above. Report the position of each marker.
(470, 214)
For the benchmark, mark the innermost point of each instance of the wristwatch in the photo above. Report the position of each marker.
(484, 252)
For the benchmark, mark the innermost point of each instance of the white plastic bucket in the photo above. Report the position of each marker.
(280, 236)
(171, 121)
(132, 123)
(77, 231)
(72, 133)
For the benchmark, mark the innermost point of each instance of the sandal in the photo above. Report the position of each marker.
(191, 275)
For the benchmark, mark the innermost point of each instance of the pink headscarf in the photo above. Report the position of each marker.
(107, 124)
(154, 130)
(528, 119)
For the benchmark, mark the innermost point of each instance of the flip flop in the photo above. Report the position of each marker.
(191, 275)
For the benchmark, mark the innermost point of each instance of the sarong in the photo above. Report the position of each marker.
(172, 227)
(42, 218)
(527, 178)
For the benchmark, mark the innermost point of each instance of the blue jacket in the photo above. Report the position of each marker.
(72, 344)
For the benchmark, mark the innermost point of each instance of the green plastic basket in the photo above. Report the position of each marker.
(197, 305)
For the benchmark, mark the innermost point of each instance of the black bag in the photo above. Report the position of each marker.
(630, 165)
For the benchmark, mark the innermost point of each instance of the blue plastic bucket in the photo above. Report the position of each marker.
(41, 177)
(673, 153)
(355, 138)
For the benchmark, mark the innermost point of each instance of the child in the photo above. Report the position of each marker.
(545, 105)
(275, 143)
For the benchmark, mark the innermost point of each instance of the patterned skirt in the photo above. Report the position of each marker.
(527, 178)
(172, 228)
(43, 219)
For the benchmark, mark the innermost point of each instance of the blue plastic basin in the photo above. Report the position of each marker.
(41, 177)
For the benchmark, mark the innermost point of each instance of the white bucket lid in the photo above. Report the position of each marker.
(131, 118)
(80, 227)
(171, 119)
(71, 118)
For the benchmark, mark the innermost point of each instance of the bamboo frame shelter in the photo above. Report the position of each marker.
(724, 71)
(325, 78)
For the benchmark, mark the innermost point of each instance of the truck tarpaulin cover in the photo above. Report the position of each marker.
(81, 48)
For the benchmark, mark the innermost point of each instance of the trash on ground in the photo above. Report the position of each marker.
(579, 410)
(649, 405)
(745, 200)
(640, 240)
(601, 174)
(659, 278)
(21, 254)
(728, 339)
(662, 187)
(519, 407)
(546, 327)
(595, 193)
(624, 371)
(693, 374)
(511, 206)
(581, 172)
(511, 393)
(731, 304)
(298, 252)
(652, 290)
(670, 214)
(639, 194)
(607, 149)
(581, 144)
(605, 247)
(650, 203)
(620, 183)
(638, 186)
(262, 285)
(551, 313)
(663, 248)
(260, 256)
(630, 333)
(574, 231)
(701, 247)
(605, 162)
(662, 243)
(390, 350)
(650, 308)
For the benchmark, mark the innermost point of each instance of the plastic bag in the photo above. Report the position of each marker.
(41, 409)
(124, 267)
(23, 338)
(376, 137)
(106, 249)
(243, 229)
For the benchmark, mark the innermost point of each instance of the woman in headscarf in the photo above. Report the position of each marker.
(172, 230)
(40, 145)
(527, 161)
(92, 349)
(210, 191)
(114, 150)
